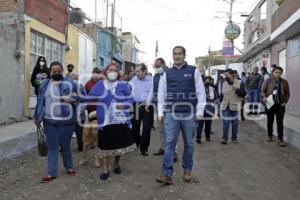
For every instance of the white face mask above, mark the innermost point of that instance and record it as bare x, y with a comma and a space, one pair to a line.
42, 63
112, 76
160, 70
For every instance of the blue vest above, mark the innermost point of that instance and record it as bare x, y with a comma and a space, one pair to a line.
155, 87
181, 89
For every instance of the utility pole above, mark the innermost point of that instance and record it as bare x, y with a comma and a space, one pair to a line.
96, 15
106, 19
156, 49
230, 21
230, 13
208, 67
113, 32
113, 14
112, 28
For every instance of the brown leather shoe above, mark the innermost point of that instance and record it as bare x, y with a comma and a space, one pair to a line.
270, 139
187, 177
159, 152
165, 180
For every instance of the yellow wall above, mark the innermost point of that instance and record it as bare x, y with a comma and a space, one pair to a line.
72, 56
44, 29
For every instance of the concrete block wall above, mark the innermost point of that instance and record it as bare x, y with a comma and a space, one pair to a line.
12, 72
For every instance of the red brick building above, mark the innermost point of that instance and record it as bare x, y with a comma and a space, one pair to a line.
53, 13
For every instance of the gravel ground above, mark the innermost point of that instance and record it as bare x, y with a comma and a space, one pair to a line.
252, 170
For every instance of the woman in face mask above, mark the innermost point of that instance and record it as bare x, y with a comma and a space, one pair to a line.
40, 73
114, 137
56, 108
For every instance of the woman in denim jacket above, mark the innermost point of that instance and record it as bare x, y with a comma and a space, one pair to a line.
56, 108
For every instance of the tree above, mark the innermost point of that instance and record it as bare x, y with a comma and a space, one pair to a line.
213, 59
279, 2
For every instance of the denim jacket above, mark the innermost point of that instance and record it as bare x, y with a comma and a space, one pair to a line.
66, 88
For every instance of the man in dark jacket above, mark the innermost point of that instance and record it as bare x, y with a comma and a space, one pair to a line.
279, 89
253, 90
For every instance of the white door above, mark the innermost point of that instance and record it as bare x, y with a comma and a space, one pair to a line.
86, 58
282, 62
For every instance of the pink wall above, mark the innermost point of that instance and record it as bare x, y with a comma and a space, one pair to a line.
275, 51
293, 72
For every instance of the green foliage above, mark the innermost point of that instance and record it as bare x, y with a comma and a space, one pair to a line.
279, 2
213, 60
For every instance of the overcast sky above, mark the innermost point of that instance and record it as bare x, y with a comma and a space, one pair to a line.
194, 24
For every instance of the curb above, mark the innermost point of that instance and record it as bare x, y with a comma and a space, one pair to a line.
18, 145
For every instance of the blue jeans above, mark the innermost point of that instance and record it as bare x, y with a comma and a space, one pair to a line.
230, 116
58, 135
254, 97
174, 122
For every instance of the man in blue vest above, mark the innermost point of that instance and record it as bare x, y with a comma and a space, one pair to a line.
181, 101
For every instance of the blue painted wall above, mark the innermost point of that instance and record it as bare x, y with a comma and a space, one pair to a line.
104, 48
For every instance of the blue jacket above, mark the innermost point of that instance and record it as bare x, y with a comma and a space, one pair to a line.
104, 98
64, 90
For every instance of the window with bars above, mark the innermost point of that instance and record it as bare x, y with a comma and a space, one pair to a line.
41, 45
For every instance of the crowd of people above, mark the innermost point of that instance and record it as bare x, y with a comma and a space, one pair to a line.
115, 111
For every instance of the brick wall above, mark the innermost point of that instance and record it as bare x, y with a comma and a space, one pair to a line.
8, 5
50, 12
284, 12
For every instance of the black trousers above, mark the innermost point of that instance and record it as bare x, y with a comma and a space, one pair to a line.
279, 111
207, 123
140, 115
78, 130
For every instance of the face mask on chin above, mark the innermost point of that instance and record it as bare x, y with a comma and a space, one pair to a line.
57, 77
112, 76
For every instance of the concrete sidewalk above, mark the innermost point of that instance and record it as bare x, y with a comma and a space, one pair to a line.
291, 128
17, 138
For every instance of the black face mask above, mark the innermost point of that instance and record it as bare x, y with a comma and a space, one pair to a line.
70, 70
57, 77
